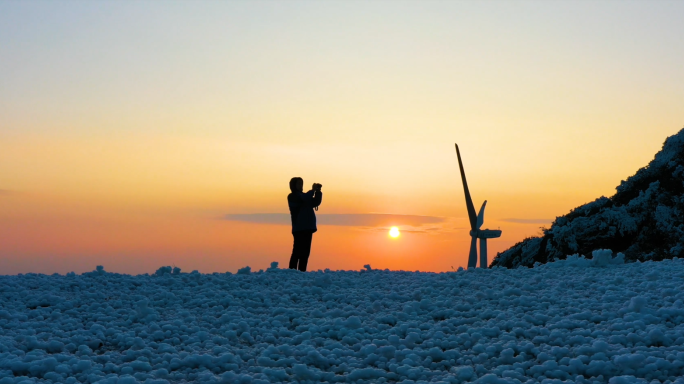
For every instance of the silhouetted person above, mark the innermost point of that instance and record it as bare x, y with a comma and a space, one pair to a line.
302, 207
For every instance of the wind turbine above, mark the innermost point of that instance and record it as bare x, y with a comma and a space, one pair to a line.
476, 222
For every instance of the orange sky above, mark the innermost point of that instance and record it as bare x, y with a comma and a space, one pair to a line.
129, 131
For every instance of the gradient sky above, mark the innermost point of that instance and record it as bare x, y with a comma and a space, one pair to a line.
141, 134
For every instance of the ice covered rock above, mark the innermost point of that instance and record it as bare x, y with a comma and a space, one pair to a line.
604, 322
643, 220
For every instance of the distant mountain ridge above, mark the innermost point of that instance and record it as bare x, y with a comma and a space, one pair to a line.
644, 219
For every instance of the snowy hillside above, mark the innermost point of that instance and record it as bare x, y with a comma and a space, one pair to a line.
644, 219
577, 321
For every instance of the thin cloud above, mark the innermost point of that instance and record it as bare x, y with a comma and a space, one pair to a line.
377, 220
261, 218
344, 219
527, 221
374, 222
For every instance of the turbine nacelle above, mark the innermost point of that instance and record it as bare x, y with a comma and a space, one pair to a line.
486, 233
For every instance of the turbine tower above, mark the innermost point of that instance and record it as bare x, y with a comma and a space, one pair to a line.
476, 221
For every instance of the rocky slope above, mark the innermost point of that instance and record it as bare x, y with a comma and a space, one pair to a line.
644, 219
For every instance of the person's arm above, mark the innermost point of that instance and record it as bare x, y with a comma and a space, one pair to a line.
317, 198
307, 197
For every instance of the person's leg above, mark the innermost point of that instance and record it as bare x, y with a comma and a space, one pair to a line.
305, 250
295, 251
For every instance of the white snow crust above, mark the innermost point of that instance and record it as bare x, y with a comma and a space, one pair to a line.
572, 321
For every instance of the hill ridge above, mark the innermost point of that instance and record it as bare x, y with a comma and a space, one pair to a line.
644, 219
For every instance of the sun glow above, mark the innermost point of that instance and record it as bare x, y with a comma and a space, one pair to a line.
394, 232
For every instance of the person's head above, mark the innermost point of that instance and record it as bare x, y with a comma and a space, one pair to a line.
296, 184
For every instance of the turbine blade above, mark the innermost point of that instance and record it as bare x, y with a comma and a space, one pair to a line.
472, 256
480, 216
469, 202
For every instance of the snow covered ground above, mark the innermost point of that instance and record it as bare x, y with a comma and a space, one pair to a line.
576, 321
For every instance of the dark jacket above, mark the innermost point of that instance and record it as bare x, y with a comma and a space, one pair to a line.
302, 210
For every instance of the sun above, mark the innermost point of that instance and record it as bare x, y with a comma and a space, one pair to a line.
394, 232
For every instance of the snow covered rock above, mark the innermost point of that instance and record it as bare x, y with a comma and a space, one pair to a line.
644, 220
571, 321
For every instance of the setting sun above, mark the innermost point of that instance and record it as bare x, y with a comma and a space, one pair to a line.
394, 232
